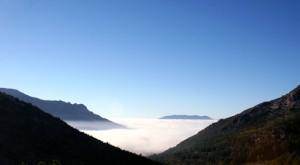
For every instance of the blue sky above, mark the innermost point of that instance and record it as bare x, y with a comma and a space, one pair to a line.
142, 58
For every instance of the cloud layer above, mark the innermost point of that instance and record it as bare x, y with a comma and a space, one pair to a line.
148, 136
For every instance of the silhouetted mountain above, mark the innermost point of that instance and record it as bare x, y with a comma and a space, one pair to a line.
268, 133
29, 136
192, 117
63, 110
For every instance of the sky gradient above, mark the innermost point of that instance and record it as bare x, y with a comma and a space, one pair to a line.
142, 58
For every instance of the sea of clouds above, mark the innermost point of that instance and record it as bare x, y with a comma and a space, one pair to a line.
146, 136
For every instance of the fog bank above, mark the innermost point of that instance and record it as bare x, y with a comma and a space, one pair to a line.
148, 136
94, 125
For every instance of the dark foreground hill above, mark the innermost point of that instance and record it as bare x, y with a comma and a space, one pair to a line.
268, 133
29, 136
188, 117
63, 110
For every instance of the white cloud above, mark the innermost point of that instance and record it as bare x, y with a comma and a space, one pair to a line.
148, 136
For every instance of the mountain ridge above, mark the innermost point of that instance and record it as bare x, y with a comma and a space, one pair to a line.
191, 117
268, 133
64, 110
31, 136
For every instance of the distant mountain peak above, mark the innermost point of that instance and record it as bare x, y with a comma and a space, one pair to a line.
58, 108
268, 132
10, 90
64, 110
191, 117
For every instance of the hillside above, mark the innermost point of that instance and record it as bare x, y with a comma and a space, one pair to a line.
268, 133
189, 117
29, 135
63, 110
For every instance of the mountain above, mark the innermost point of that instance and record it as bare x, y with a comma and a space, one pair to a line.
65, 111
31, 136
193, 117
268, 133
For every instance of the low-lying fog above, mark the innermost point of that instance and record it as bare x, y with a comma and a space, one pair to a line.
145, 136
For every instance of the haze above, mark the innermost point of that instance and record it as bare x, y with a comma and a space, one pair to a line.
145, 136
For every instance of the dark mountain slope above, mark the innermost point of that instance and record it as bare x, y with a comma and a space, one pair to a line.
29, 135
268, 133
63, 110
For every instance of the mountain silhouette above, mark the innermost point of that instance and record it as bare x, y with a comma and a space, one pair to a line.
63, 110
191, 117
31, 136
268, 133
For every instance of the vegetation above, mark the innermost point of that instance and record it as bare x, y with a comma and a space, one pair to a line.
29, 135
53, 162
268, 133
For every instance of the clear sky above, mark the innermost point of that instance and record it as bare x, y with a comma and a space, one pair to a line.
150, 58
